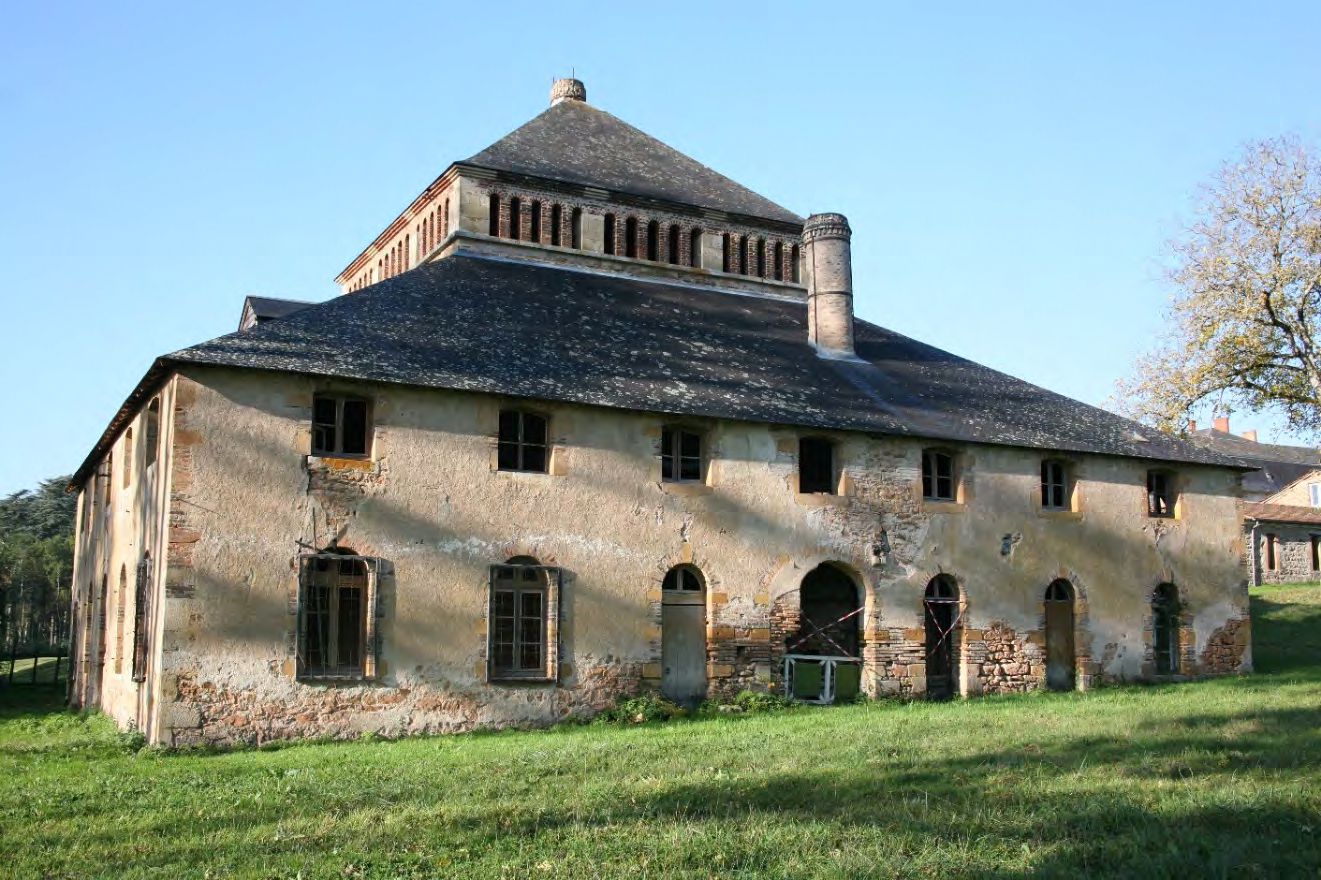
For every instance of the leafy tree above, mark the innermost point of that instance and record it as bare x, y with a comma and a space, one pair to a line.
36, 562
1242, 323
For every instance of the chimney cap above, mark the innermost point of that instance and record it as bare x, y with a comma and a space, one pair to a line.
567, 89
826, 225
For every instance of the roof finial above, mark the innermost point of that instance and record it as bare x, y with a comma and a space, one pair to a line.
571, 89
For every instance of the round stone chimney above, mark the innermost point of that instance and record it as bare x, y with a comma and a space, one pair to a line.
567, 90
828, 255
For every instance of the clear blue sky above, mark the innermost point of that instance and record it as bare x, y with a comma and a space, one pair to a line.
1010, 170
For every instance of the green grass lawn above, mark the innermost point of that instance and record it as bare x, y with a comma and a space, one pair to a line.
46, 672
1210, 779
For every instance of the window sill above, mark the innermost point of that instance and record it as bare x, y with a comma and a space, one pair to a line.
333, 679
820, 499
929, 506
684, 489
1065, 515
518, 679
340, 463
523, 475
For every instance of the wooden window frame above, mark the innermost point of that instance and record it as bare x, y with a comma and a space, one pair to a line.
519, 580
932, 477
330, 669
335, 449
673, 458
519, 444
1056, 484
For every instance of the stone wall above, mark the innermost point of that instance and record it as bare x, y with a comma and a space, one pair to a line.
430, 504
1297, 547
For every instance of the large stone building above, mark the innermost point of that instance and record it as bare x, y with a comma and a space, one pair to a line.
591, 418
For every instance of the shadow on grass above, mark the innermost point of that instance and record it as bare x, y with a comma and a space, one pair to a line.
32, 701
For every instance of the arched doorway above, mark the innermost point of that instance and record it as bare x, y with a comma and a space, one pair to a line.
941, 611
824, 655
683, 635
1165, 628
1061, 654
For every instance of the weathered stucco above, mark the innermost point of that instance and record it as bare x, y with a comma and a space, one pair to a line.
248, 500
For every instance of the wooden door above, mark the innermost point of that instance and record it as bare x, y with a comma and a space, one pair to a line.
683, 647
942, 660
1060, 654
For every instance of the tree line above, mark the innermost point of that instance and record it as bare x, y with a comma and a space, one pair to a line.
36, 568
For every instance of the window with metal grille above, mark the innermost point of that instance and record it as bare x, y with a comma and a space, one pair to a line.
816, 466
1054, 485
523, 442
681, 455
339, 426
141, 618
520, 613
937, 475
336, 615
1160, 493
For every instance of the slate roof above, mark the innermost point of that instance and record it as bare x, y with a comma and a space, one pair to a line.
1280, 513
578, 143
1277, 465
512, 328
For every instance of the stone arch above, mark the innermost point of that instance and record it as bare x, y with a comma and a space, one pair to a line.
1166, 644
942, 612
1061, 630
685, 642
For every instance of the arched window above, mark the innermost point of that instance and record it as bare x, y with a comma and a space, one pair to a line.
777, 270
1165, 628
408, 251
536, 222
1060, 653
515, 218
695, 248
445, 221
743, 245
631, 237
151, 433
793, 264
676, 238
141, 618
336, 619
576, 229
121, 600
494, 226
683, 579
610, 243
761, 258
727, 253
653, 241
941, 611
520, 646
128, 457
556, 221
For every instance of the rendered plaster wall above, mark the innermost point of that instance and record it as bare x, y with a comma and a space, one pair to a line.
431, 504
127, 523
1297, 493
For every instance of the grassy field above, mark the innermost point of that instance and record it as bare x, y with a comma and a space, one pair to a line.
1212, 779
46, 672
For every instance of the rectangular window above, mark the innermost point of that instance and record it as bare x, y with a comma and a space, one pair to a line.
141, 619
336, 599
1054, 485
937, 475
681, 455
339, 426
520, 614
523, 442
1269, 549
1314, 494
1316, 552
816, 466
151, 434
1160, 493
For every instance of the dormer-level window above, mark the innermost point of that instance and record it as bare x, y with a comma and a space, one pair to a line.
681, 455
523, 442
340, 426
1055, 485
1314, 494
1161, 494
816, 466
938, 475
